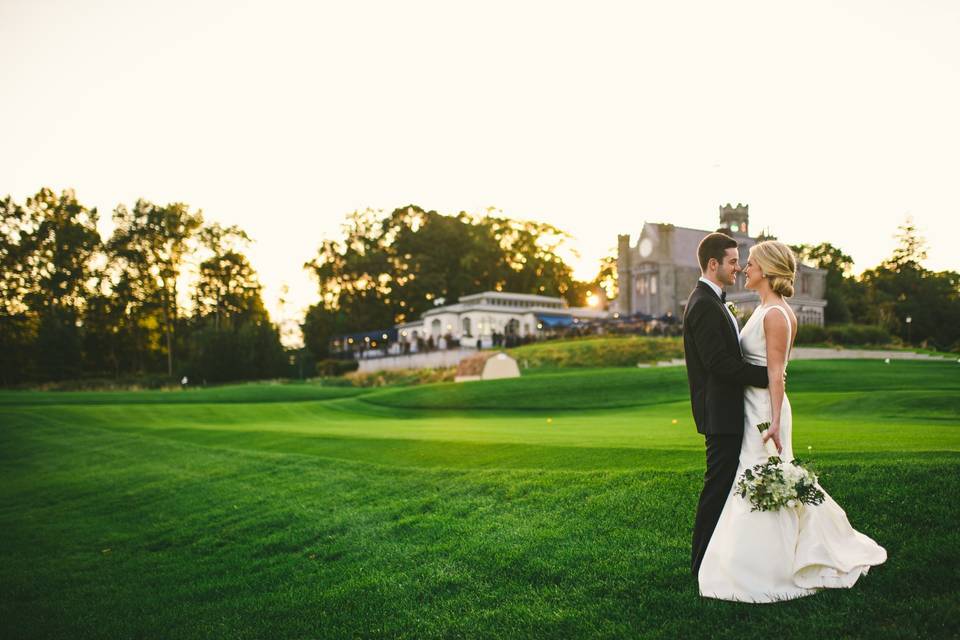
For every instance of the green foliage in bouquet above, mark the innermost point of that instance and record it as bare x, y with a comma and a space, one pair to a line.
776, 483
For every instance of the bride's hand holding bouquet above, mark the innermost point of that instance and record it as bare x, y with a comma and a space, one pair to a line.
772, 433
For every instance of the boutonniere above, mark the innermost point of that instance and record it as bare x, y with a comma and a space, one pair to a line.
733, 310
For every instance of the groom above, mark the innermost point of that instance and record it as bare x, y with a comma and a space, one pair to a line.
717, 374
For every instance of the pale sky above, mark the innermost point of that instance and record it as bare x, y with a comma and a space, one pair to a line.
832, 120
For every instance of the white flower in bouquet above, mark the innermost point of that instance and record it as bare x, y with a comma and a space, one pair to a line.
777, 483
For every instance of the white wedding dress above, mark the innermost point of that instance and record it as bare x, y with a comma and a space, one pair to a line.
768, 556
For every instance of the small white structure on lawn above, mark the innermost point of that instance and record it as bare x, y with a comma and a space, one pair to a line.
500, 366
487, 366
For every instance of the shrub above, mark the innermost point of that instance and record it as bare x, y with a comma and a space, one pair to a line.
844, 334
811, 334
401, 377
859, 334
250, 351
130, 382
331, 367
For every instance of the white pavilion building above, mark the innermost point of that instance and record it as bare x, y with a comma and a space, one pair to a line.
480, 315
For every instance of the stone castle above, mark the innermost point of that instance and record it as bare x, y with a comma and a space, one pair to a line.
657, 274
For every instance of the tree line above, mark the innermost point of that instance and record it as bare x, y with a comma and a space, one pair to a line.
77, 305
899, 288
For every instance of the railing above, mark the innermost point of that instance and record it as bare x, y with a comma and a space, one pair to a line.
653, 327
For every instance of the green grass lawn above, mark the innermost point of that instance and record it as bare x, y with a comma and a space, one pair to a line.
557, 505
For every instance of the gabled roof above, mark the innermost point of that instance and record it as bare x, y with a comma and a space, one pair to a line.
506, 295
683, 241
450, 308
475, 302
478, 306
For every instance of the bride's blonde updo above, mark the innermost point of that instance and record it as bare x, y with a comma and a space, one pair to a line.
778, 264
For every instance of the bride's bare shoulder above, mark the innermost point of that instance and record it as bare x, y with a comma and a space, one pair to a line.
776, 323
774, 320
793, 317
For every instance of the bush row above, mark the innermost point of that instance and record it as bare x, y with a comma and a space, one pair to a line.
843, 334
129, 382
401, 377
395, 377
627, 351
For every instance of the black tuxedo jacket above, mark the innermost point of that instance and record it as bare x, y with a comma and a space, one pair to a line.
715, 368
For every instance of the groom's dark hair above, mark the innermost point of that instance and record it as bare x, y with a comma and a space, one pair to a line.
715, 245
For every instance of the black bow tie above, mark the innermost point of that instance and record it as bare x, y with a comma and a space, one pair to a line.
723, 297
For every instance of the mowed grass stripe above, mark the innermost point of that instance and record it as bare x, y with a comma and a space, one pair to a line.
397, 452
820, 423
242, 393
112, 534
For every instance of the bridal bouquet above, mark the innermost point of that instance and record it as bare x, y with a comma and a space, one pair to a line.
776, 484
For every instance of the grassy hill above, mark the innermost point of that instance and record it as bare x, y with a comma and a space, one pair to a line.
605, 388
555, 505
612, 351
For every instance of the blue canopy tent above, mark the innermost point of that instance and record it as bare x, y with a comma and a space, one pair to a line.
550, 321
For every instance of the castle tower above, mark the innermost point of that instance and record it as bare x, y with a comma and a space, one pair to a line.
735, 220
624, 277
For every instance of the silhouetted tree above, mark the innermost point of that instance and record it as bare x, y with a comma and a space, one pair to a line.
46, 258
227, 288
901, 287
842, 288
152, 241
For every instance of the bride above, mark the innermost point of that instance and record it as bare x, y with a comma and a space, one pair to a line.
767, 556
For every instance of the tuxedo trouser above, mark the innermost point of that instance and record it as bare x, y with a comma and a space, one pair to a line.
723, 457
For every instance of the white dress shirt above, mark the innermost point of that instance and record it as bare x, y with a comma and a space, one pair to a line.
717, 290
